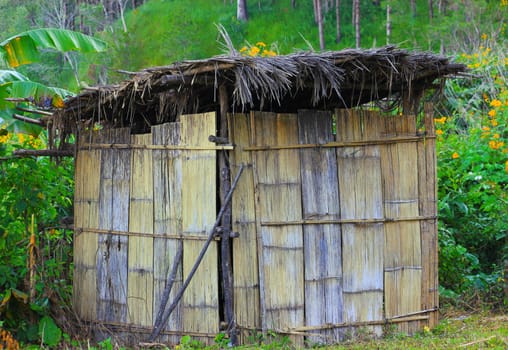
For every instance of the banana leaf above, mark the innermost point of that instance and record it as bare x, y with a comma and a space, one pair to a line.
31, 95
7, 76
24, 47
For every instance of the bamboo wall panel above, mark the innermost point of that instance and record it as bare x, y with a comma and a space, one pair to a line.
279, 198
428, 207
402, 253
317, 242
86, 205
322, 243
140, 265
245, 261
359, 174
167, 192
113, 215
200, 301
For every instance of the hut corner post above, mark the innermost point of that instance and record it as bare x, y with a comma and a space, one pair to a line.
226, 223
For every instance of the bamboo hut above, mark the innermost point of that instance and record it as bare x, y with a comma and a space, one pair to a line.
310, 178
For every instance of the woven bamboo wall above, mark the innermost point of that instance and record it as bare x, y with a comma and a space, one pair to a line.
138, 198
337, 220
336, 215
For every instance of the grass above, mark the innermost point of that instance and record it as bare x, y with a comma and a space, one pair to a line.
456, 331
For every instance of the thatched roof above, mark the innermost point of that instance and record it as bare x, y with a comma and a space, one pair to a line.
286, 83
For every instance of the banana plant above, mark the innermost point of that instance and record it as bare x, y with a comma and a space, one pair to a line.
18, 91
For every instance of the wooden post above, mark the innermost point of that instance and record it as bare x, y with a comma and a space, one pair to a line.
225, 187
211, 235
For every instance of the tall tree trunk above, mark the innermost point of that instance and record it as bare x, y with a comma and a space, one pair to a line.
315, 6
357, 22
121, 8
388, 24
293, 3
442, 7
413, 8
241, 10
337, 20
431, 10
353, 13
319, 14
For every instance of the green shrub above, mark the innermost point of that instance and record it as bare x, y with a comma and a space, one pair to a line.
472, 146
35, 194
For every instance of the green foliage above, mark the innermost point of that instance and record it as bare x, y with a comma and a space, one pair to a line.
472, 147
25, 47
49, 333
187, 343
38, 188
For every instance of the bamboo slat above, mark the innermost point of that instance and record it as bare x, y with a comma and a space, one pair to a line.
427, 189
211, 147
200, 301
359, 173
86, 205
332, 144
402, 251
322, 243
113, 214
167, 192
279, 191
140, 264
245, 261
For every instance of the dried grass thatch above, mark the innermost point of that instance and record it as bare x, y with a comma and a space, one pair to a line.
286, 83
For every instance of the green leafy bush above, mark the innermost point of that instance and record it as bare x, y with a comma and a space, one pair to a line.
35, 251
472, 146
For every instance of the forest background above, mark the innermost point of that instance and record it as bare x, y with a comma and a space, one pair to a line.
471, 121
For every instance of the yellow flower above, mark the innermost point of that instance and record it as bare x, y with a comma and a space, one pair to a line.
484, 36
492, 113
254, 50
268, 53
455, 155
261, 44
485, 128
485, 98
243, 49
495, 103
439, 132
494, 122
496, 144
496, 136
21, 138
440, 120
506, 166
4, 136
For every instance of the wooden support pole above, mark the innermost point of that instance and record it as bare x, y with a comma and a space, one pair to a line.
211, 235
43, 153
35, 111
225, 187
158, 325
29, 120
